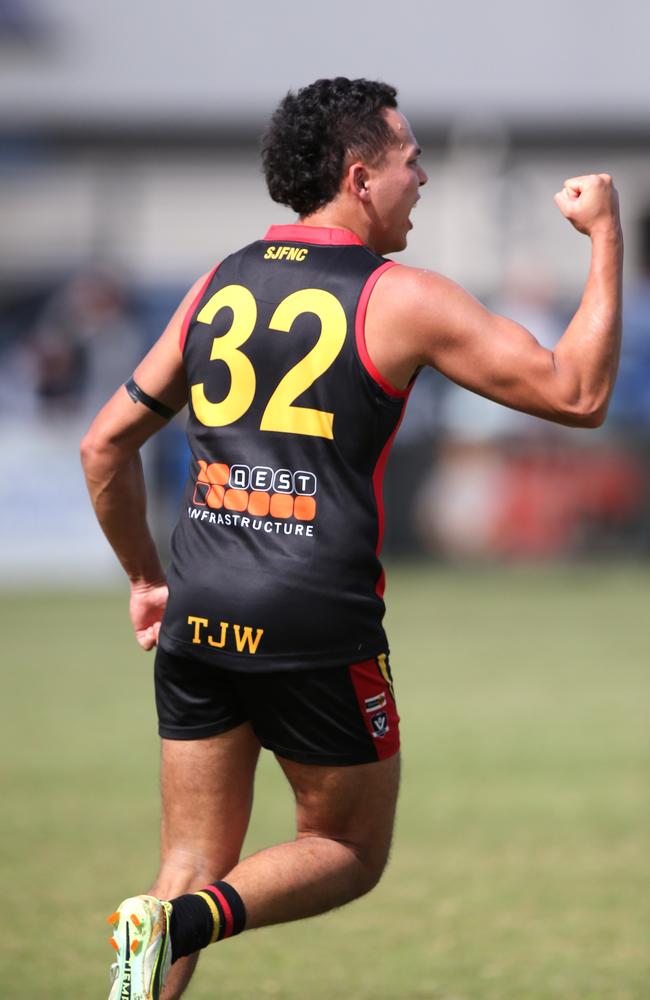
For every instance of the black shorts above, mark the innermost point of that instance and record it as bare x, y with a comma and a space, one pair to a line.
327, 715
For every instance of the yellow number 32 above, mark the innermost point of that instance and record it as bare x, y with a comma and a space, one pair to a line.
280, 414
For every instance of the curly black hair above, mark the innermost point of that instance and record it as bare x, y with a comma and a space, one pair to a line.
315, 132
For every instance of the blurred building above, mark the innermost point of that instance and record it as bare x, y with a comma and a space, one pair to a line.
128, 141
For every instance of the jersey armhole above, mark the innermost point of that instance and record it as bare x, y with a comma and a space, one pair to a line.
187, 319
360, 334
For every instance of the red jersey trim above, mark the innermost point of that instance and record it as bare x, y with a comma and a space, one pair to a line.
378, 488
190, 312
314, 234
360, 334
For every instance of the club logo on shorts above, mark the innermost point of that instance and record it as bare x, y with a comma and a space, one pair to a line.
379, 724
376, 702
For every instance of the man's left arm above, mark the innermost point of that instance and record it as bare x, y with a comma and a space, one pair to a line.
422, 318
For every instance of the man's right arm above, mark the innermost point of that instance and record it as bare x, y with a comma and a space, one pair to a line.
443, 326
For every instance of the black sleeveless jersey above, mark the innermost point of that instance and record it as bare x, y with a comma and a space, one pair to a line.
275, 555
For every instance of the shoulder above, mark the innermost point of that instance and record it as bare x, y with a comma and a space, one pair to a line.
415, 315
411, 288
167, 352
196, 291
399, 317
414, 302
176, 330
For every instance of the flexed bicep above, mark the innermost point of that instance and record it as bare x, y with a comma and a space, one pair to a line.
489, 354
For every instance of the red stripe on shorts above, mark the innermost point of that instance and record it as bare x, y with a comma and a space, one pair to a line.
377, 707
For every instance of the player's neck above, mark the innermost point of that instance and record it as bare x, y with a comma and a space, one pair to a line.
335, 216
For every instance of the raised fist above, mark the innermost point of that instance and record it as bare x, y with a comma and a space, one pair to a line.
589, 203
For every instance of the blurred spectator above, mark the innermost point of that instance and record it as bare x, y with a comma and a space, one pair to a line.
85, 345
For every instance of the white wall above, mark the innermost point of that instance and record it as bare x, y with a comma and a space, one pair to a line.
201, 58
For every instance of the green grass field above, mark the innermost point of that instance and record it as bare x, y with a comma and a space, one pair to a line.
521, 864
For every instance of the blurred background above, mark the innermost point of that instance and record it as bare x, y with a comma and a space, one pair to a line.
129, 166
518, 550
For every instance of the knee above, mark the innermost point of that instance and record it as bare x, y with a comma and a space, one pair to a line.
367, 874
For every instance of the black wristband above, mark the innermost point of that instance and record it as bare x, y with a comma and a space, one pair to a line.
138, 395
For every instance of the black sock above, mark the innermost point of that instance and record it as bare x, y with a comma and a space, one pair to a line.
199, 918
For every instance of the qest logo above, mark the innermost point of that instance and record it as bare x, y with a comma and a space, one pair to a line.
259, 491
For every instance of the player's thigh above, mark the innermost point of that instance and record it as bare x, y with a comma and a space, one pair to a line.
207, 785
335, 732
354, 805
209, 754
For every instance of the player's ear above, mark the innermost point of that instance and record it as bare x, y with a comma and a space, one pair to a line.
357, 181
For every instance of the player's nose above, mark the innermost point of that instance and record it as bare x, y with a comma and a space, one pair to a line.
423, 176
